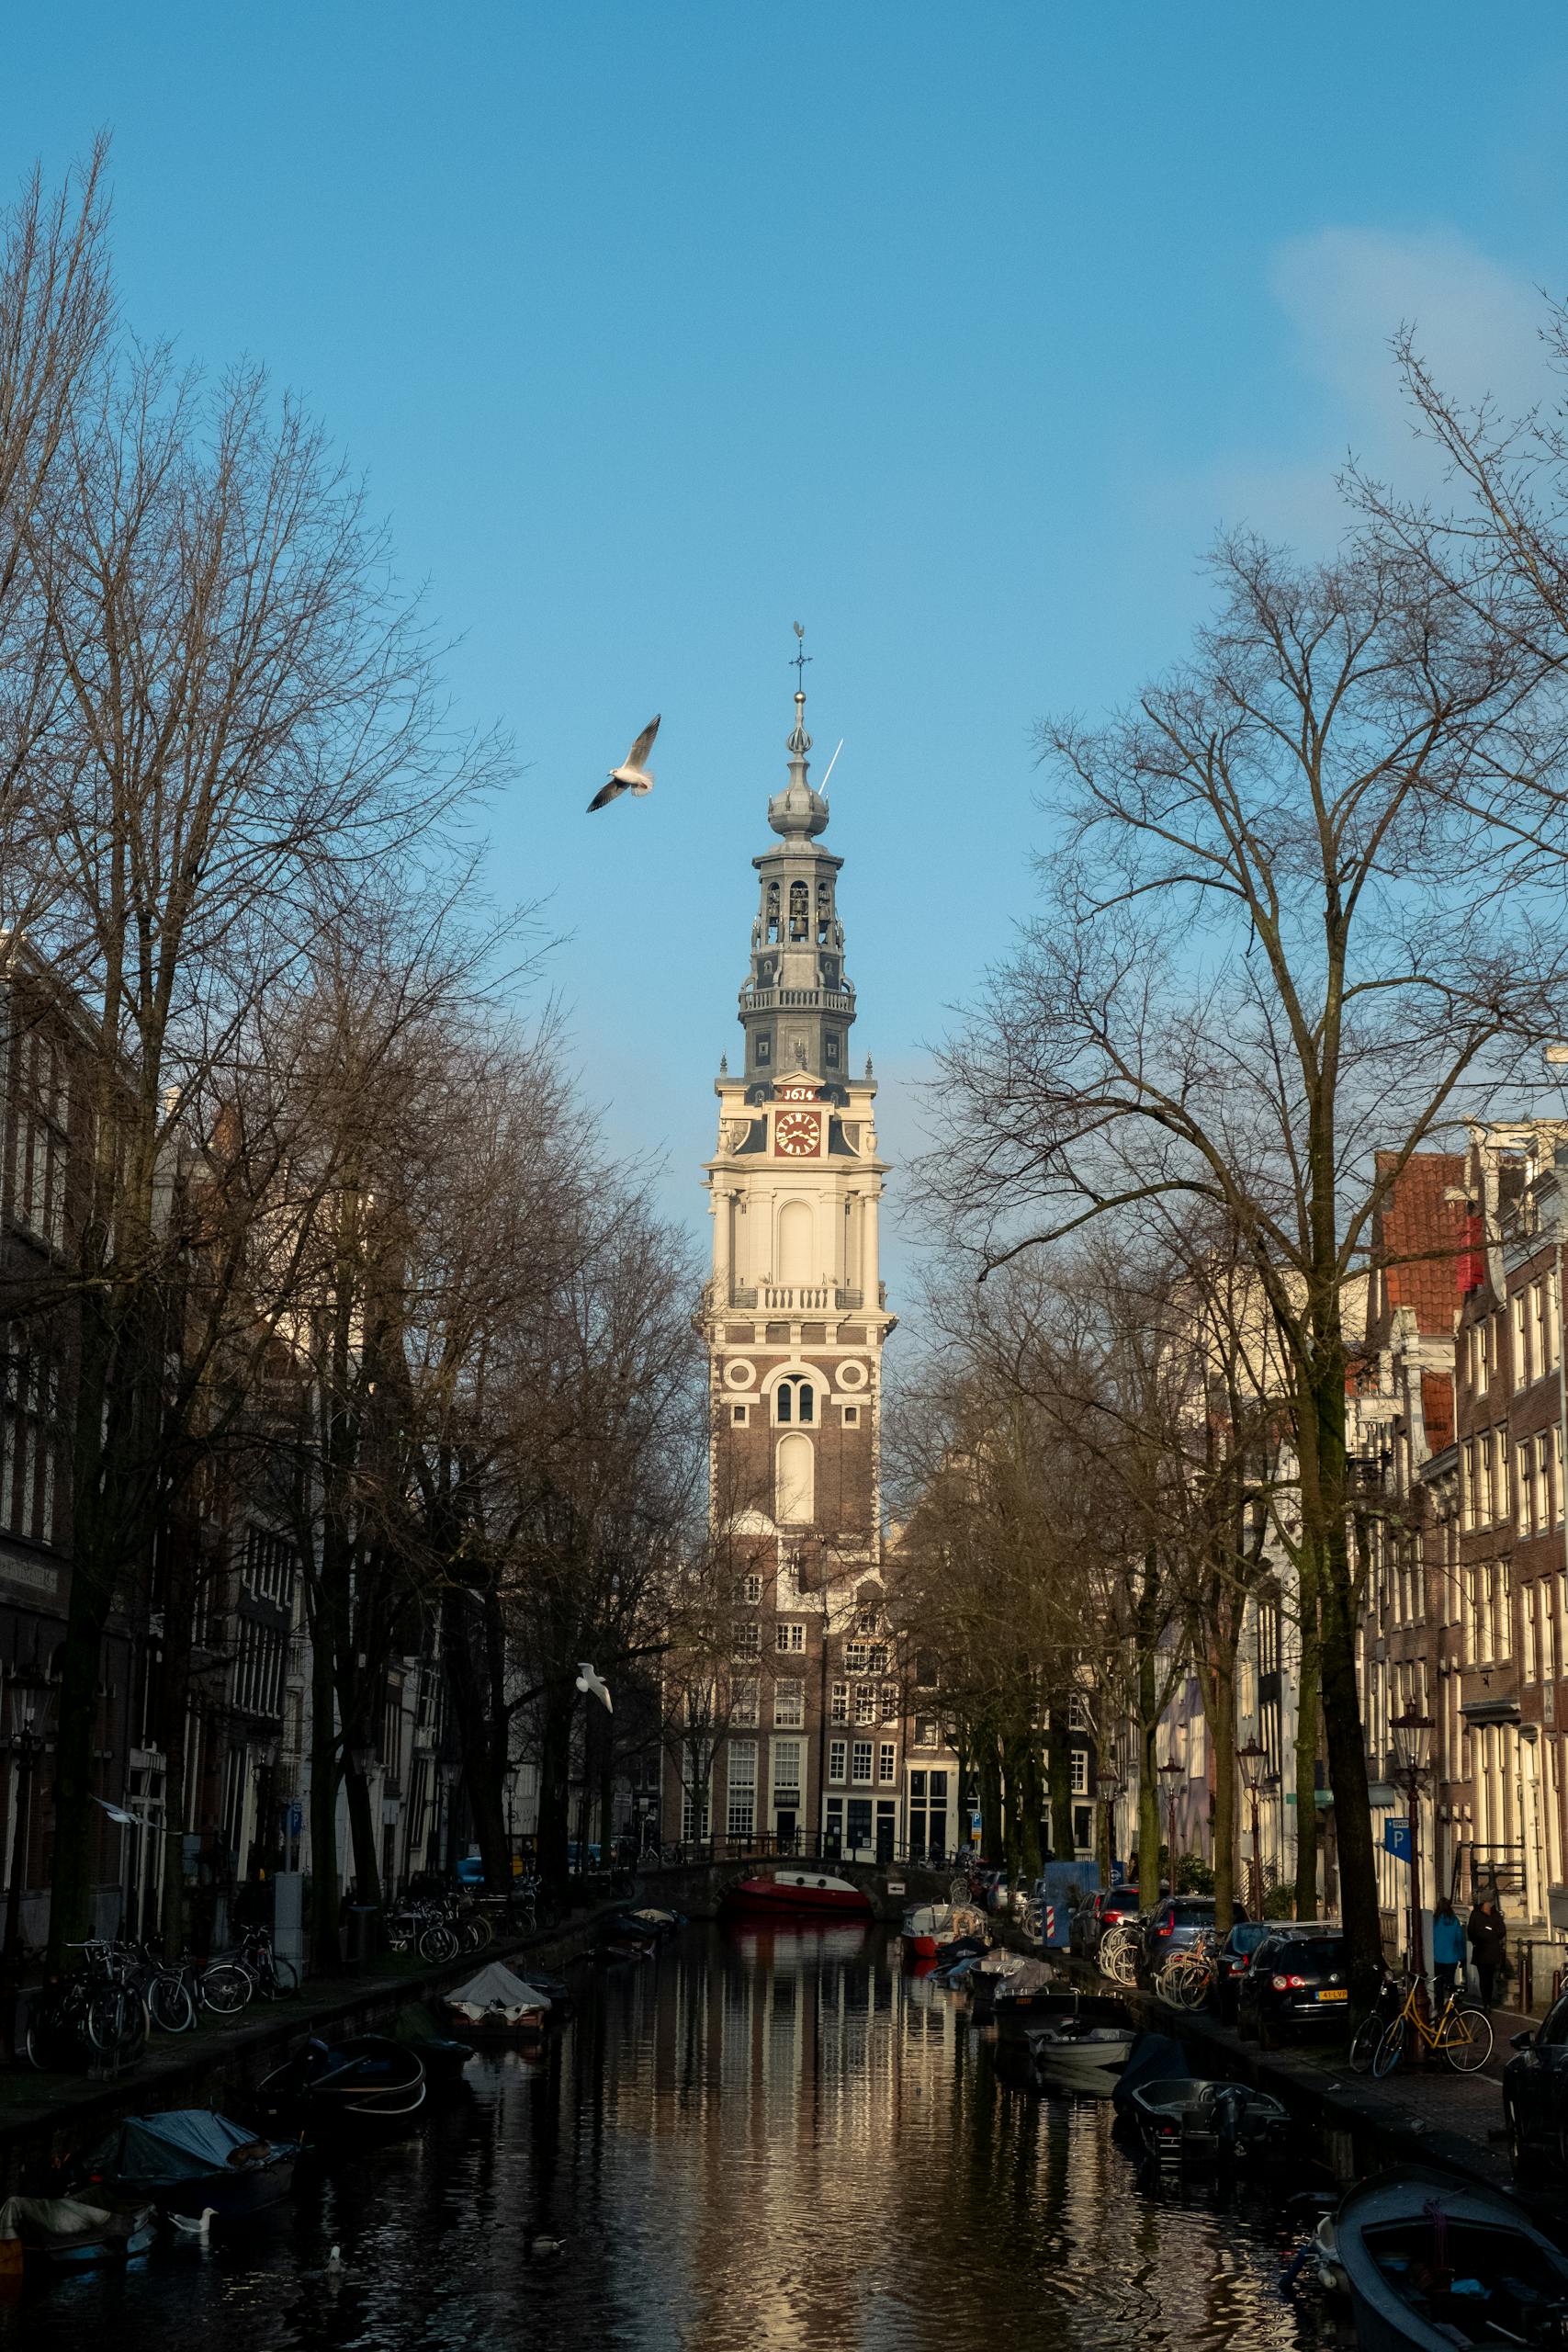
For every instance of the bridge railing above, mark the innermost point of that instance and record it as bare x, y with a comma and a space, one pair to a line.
823, 1848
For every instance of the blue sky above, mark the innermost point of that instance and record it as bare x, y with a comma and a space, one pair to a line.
953, 333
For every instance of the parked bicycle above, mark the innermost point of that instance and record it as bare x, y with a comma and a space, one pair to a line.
94, 2016
1188, 1976
1120, 1948
271, 1978
1462, 2032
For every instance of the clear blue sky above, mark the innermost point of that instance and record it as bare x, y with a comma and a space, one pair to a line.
952, 332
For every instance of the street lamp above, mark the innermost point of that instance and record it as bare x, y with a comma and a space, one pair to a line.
1170, 1773
24, 1745
1412, 1748
1108, 1788
1252, 1759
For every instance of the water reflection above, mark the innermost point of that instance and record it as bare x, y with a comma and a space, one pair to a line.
765, 2138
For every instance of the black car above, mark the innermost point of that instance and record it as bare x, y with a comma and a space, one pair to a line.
1299, 1979
1106, 1909
1235, 1960
1535, 2093
1176, 1925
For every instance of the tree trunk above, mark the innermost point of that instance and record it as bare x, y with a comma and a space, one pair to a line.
75, 1742
1148, 1781
326, 1948
555, 1785
1222, 1729
362, 1828
1059, 1770
1306, 1741
988, 1767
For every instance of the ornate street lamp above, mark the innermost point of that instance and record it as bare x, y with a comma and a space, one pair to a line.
1412, 1748
1170, 1773
24, 1743
1252, 1759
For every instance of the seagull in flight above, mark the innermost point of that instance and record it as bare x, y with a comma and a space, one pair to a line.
588, 1679
631, 775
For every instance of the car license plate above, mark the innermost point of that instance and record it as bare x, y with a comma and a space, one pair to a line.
1342, 1994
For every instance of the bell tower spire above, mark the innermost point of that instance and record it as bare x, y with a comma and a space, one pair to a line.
796, 1004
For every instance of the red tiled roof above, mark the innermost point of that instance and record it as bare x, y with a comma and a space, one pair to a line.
1418, 1237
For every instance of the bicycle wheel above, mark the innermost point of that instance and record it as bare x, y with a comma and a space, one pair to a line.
1364, 2044
1194, 1987
116, 2022
470, 1937
958, 1890
1389, 2049
1469, 2056
225, 1987
438, 1942
284, 1979
484, 1929
170, 2006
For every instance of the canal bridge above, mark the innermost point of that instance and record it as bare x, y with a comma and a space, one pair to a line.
697, 1883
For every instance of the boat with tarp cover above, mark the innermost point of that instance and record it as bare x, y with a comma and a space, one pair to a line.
1431, 2264
190, 2159
495, 2004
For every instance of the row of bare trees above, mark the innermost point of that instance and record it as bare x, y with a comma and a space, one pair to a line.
339, 1236
1304, 906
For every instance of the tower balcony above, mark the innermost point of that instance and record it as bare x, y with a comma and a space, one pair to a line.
795, 1298
798, 999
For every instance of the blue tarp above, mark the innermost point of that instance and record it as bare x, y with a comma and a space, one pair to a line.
175, 2146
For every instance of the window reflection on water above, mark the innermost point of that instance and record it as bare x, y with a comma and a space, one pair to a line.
768, 2137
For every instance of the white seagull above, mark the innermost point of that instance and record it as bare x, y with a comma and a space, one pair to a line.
588, 1679
631, 775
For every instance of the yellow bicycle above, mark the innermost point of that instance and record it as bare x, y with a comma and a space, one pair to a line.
1462, 2034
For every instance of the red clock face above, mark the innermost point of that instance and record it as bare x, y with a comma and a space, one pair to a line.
798, 1135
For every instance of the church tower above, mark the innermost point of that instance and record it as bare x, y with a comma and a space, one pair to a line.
794, 1318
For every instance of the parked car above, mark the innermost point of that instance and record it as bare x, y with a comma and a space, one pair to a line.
1176, 1924
1235, 1958
1299, 1981
1106, 1909
1535, 2093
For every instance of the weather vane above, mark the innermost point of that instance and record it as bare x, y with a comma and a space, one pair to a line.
801, 658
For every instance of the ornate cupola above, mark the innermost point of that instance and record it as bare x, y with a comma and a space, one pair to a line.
796, 1005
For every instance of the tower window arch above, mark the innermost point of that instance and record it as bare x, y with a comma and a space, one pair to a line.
795, 1400
824, 912
794, 1480
773, 912
799, 910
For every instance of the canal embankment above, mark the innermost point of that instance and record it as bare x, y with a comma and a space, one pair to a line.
48, 2120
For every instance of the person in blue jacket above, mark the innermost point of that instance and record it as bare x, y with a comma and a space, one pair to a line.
1447, 1947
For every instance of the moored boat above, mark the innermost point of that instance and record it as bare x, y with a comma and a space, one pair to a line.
1074, 2055
800, 1892
62, 2233
1432, 2263
364, 2083
933, 1928
496, 2003
1184, 2120
189, 2161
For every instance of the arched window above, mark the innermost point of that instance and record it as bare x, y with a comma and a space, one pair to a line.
773, 912
795, 1400
824, 913
794, 1480
799, 910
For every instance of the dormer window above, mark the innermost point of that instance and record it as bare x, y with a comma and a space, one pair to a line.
795, 1400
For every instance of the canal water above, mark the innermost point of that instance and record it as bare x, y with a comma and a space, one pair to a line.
766, 2137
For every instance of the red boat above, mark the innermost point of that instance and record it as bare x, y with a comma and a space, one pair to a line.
798, 1891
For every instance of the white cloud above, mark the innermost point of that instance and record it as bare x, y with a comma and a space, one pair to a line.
1476, 322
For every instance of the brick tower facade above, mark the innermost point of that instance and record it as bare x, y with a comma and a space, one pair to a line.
811, 1735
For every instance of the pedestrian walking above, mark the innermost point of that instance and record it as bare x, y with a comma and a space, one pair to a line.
1488, 1934
1447, 1949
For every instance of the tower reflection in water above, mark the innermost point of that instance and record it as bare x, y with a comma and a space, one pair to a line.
766, 2137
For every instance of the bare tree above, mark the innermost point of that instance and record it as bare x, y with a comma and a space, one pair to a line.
1269, 952
249, 743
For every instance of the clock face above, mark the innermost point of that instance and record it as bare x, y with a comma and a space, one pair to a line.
798, 1135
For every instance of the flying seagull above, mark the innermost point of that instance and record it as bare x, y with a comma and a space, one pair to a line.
631, 775
588, 1679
